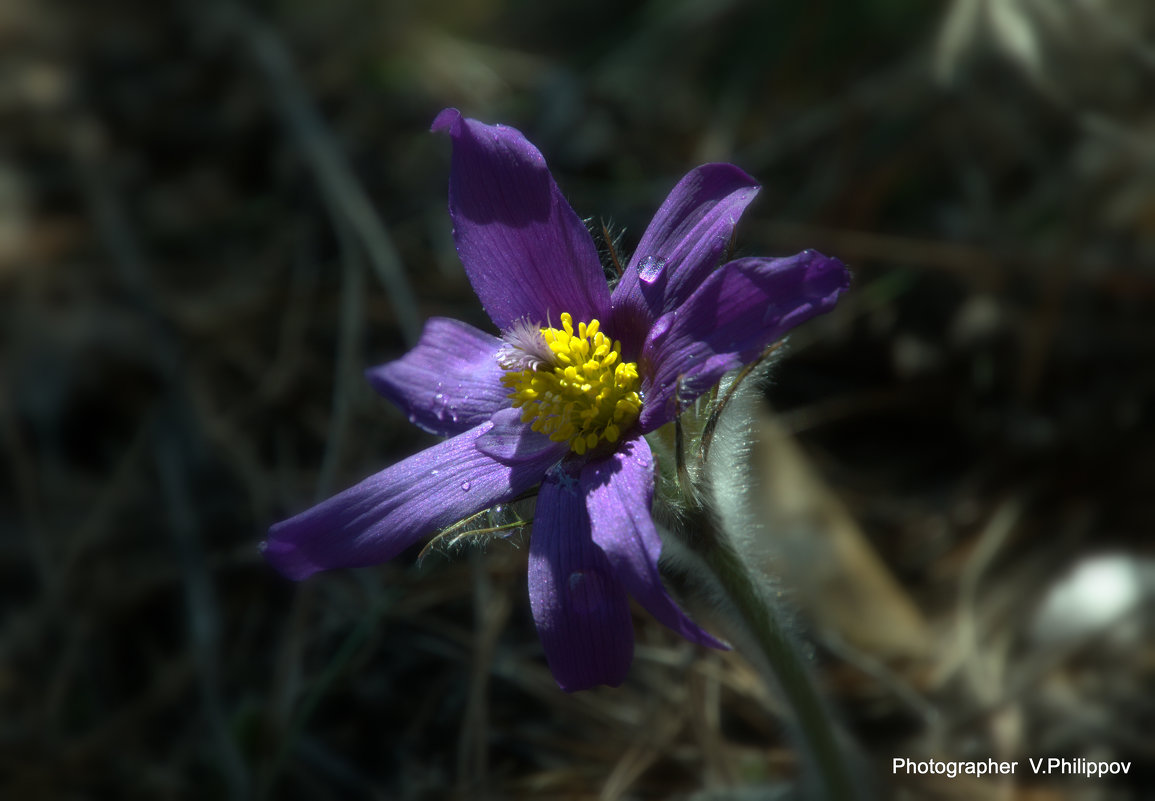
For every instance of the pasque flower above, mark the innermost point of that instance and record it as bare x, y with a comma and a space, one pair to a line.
562, 398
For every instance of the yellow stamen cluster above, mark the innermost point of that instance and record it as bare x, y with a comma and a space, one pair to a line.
589, 395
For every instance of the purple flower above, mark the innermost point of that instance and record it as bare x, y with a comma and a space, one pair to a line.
563, 397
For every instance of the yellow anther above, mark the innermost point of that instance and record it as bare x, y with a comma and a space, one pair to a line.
588, 396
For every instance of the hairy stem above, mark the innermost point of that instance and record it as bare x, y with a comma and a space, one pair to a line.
763, 639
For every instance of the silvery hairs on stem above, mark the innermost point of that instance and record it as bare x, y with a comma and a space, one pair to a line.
715, 544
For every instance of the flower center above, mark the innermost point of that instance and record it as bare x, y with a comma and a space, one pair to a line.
587, 394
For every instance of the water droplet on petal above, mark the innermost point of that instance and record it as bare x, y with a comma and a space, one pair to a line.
439, 405
588, 591
651, 268
434, 472
465, 485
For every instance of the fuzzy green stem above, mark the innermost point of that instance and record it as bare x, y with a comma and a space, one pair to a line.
815, 728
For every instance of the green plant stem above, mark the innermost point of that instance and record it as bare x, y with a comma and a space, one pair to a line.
815, 728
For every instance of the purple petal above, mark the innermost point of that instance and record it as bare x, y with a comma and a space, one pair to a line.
581, 611
511, 441
450, 382
731, 318
386, 513
682, 245
524, 249
619, 490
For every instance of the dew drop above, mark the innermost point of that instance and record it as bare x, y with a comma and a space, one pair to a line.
650, 269
588, 591
434, 472
439, 405
465, 485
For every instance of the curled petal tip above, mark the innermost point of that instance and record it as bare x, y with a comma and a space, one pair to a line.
720, 171
826, 276
286, 558
445, 120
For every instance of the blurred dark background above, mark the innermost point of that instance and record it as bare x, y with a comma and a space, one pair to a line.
214, 215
